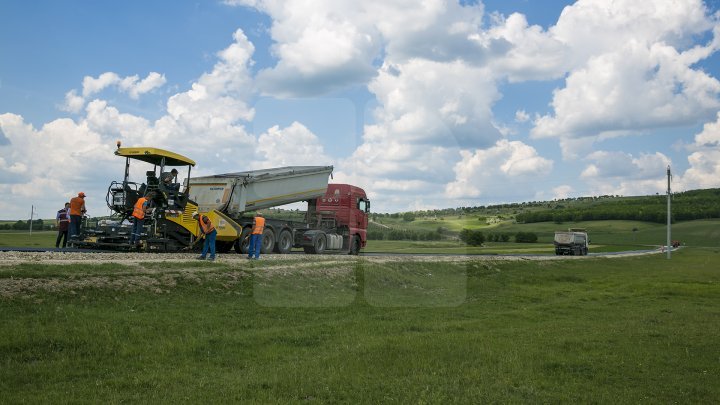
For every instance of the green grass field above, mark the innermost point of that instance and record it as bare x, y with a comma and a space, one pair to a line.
595, 330
25, 239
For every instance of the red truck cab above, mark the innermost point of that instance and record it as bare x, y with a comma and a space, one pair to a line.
348, 206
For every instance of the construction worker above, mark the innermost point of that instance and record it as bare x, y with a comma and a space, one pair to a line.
62, 221
208, 230
77, 210
140, 210
170, 180
256, 236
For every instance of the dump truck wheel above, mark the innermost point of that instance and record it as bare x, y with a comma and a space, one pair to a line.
319, 243
284, 242
242, 244
268, 242
355, 245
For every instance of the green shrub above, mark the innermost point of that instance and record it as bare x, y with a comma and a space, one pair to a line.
526, 237
471, 237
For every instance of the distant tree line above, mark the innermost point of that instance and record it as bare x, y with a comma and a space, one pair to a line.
492, 209
477, 238
19, 225
689, 205
499, 237
403, 234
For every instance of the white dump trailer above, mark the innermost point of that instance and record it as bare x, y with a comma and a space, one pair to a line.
236, 193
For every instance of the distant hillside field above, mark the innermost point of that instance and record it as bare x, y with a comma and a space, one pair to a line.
631, 234
615, 220
690, 205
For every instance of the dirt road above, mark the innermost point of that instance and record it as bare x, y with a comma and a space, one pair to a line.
11, 258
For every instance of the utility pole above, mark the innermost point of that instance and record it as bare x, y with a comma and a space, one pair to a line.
32, 214
669, 247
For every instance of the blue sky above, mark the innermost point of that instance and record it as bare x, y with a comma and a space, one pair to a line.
424, 104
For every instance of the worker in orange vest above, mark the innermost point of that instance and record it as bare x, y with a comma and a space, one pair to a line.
256, 236
77, 210
210, 233
140, 210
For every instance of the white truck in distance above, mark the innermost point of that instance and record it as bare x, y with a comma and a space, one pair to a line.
572, 242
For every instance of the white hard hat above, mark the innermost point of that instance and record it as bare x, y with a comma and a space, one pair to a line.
195, 214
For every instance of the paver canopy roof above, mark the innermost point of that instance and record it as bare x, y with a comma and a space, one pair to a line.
155, 156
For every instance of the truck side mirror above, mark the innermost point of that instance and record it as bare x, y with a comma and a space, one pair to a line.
363, 205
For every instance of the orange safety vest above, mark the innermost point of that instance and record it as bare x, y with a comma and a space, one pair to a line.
258, 226
138, 211
77, 204
206, 228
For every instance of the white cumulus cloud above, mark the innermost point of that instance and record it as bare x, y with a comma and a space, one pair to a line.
562, 192
621, 173
487, 171
291, 146
434, 103
631, 69
704, 170
94, 85
132, 85
136, 87
73, 102
521, 116
49, 165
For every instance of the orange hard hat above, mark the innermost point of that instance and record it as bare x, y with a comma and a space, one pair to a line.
81, 194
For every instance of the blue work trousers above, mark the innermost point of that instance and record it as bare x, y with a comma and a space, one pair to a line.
209, 244
75, 226
137, 230
255, 245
